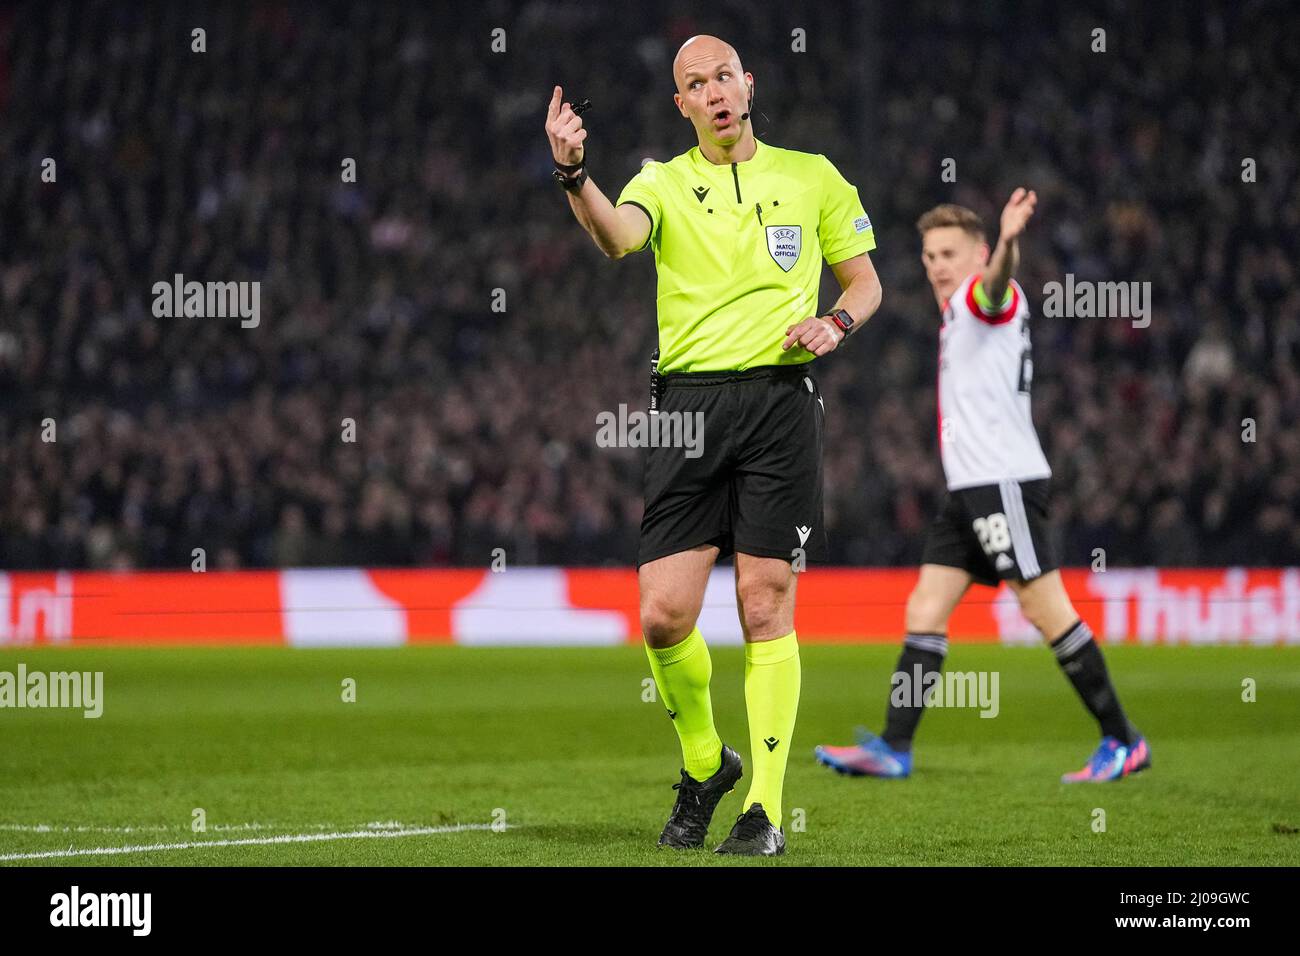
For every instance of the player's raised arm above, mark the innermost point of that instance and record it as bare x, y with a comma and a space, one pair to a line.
1005, 258
616, 230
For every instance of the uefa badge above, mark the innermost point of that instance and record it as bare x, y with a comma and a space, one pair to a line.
783, 243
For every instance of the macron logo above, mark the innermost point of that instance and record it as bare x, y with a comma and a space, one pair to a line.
803, 534
102, 909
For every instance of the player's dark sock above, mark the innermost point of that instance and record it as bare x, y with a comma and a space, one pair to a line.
924, 651
1080, 658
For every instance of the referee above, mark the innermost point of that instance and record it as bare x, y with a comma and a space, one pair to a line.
739, 230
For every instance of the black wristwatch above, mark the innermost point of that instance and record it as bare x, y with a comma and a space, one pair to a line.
571, 183
843, 321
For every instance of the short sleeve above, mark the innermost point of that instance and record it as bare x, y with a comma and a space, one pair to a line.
642, 191
844, 229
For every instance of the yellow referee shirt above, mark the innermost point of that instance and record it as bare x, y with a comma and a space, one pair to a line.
739, 250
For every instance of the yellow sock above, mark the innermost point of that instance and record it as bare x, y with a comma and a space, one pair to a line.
682, 673
772, 677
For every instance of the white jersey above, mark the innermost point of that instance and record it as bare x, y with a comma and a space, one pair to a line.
986, 430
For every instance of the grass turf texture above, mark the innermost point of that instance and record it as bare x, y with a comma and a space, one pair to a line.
561, 740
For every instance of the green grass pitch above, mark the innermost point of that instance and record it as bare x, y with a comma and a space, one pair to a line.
560, 743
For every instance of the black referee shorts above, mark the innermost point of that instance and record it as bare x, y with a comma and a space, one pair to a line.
756, 487
994, 532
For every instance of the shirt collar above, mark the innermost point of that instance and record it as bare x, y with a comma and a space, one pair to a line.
757, 161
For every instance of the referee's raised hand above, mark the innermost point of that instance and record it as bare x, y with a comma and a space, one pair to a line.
564, 128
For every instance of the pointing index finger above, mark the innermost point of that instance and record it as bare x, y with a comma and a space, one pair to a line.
554, 109
792, 335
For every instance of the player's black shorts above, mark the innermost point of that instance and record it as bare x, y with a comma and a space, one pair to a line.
994, 532
756, 485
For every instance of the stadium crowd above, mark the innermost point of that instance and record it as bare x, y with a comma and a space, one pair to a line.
437, 338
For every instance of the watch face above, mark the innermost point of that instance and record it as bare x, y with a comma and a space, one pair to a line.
842, 319
571, 182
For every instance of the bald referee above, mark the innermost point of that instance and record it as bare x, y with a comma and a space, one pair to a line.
739, 230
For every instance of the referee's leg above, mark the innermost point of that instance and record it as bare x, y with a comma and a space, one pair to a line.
765, 590
672, 594
765, 597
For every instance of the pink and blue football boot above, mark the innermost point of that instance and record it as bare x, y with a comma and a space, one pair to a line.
1112, 760
870, 757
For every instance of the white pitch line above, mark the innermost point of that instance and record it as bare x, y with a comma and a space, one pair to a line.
51, 828
249, 841
214, 828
